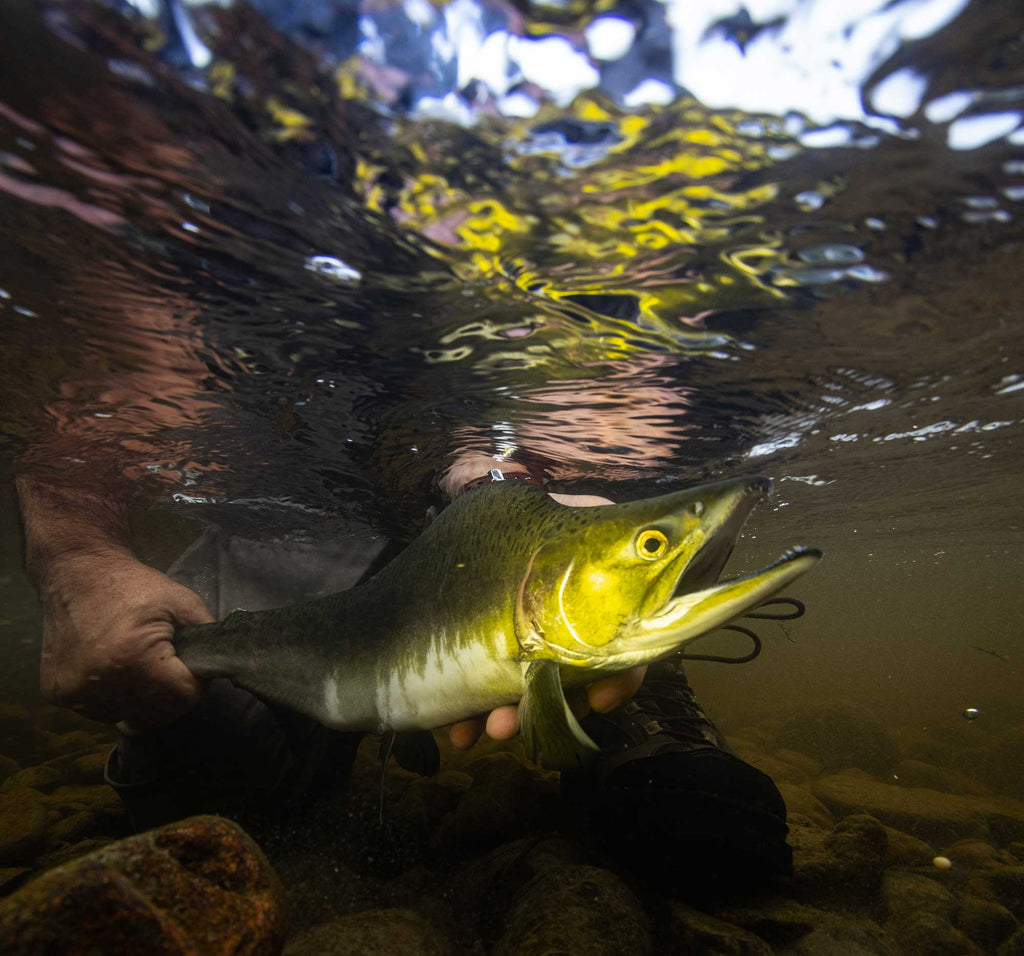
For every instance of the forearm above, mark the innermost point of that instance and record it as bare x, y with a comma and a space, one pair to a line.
61, 521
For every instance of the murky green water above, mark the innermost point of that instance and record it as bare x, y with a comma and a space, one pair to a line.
274, 307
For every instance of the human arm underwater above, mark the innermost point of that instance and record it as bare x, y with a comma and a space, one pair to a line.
108, 619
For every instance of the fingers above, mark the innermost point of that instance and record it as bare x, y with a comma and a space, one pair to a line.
500, 724
503, 722
607, 694
466, 732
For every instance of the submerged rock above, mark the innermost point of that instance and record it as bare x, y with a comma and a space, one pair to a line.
906, 893
804, 803
842, 937
575, 909
926, 934
8, 767
394, 932
857, 847
939, 818
506, 799
841, 736
985, 922
903, 849
201, 886
689, 930
22, 826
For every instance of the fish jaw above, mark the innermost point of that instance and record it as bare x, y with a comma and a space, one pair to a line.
693, 613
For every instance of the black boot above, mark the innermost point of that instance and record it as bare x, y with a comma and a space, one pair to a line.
669, 798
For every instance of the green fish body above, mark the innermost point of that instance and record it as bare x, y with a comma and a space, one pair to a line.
506, 597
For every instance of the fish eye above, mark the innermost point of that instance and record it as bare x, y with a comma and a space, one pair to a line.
651, 543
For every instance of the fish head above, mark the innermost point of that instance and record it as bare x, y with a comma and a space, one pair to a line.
625, 584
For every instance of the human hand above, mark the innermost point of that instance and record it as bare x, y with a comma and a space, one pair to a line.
108, 622
603, 695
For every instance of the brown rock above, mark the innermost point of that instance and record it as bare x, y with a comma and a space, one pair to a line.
41, 777
779, 770
778, 920
904, 893
808, 765
22, 825
201, 886
926, 934
905, 850
939, 818
841, 736
917, 773
505, 800
858, 846
389, 932
688, 931
8, 767
985, 922
575, 909
1014, 946
89, 768
844, 937
977, 855
803, 802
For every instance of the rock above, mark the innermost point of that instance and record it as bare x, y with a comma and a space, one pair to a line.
925, 934
841, 736
777, 920
200, 886
59, 745
808, 765
1007, 886
1014, 946
101, 799
976, 855
803, 802
8, 767
985, 922
858, 846
575, 909
840, 937
485, 887
89, 768
812, 865
907, 893
41, 777
22, 826
778, 770
390, 932
73, 828
939, 818
688, 930
505, 800
905, 850
11, 877
754, 738
917, 773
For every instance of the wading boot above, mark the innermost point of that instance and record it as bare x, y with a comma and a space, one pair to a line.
670, 800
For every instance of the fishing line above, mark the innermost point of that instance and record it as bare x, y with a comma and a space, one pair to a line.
386, 744
798, 611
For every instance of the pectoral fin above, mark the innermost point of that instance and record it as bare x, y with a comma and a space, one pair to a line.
552, 735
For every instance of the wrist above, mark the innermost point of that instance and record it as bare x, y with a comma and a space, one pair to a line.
472, 470
63, 523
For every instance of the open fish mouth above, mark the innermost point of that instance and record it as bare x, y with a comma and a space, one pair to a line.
700, 602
